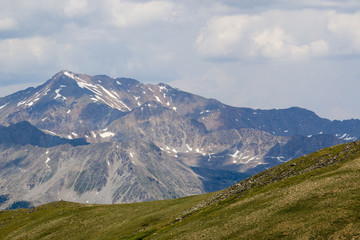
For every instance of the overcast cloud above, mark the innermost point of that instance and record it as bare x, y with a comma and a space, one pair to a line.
249, 53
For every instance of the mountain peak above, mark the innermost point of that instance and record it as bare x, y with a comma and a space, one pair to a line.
81, 79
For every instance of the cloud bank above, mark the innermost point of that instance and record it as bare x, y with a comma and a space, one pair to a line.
271, 54
280, 36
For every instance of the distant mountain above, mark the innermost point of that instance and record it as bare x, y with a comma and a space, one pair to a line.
73, 105
145, 141
23, 133
313, 197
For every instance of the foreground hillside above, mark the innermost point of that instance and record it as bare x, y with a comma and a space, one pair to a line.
313, 197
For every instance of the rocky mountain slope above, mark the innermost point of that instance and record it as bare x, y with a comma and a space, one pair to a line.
23, 133
313, 197
146, 141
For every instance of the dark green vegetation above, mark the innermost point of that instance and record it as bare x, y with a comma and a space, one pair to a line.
313, 197
3, 198
21, 204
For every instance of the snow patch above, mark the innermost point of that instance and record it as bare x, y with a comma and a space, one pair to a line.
93, 134
141, 131
94, 100
125, 105
29, 104
107, 92
200, 151
21, 103
107, 134
279, 158
235, 154
46, 91
158, 99
117, 95
49, 132
58, 95
47, 161
347, 137
3, 106
111, 98
190, 149
163, 88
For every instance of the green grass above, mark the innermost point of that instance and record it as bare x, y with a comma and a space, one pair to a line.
312, 197
65, 220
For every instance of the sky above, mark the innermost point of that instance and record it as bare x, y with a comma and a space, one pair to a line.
267, 54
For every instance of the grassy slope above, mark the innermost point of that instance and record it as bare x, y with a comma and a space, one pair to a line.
316, 196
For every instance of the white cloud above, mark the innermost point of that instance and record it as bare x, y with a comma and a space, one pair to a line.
75, 8
280, 35
264, 51
223, 34
15, 50
346, 28
351, 4
128, 14
276, 44
24, 54
7, 23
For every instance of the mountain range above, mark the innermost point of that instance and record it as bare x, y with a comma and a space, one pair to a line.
96, 139
312, 197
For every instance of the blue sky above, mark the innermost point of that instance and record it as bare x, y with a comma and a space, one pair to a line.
260, 54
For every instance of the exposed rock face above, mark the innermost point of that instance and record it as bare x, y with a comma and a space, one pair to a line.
98, 173
143, 142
